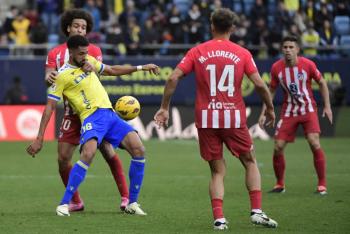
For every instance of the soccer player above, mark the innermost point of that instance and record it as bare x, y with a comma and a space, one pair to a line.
90, 100
295, 74
79, 22
219, 67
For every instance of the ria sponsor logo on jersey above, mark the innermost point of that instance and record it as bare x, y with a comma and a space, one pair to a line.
215, 105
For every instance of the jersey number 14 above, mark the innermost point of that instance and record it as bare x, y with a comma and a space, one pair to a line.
222, 85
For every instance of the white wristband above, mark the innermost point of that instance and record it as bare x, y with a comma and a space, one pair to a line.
139, 67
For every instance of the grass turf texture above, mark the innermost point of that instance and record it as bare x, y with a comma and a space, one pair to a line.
175, 192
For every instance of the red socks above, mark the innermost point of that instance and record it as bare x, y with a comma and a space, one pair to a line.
116, 166
255, 199
279, 166
216, 205
65, 177
320, 166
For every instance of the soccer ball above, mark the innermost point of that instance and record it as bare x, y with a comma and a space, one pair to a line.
127, 107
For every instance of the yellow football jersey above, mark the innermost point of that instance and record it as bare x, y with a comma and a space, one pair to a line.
83, 91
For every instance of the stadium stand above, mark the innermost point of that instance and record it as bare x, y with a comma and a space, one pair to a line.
262, 22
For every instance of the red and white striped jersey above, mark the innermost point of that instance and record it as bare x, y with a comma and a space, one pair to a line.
296, 84
59, 55
219, 67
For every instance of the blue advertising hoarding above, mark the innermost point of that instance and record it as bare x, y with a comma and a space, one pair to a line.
149, 88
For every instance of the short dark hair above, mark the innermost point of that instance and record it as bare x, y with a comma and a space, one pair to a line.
69, 15
77, 40
223, 19
290, 38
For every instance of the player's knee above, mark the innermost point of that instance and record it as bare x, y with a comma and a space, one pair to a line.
247, 159
138, 151
64, 158
278, 149
315, 145
314, 142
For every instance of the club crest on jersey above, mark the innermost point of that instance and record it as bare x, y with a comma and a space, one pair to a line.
300, 76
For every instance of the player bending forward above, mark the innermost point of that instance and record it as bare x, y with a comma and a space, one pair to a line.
79, 22
219, 66
90, 100
295, 74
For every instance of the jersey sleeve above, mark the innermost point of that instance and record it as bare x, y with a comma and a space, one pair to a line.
55, 91
314, 72
274, 78
98, 65
187, 63
249, 65
96, 53
50, 60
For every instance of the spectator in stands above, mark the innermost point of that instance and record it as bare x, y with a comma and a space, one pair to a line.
292, 7
102, 7
342, 7
282, 18
194, 23
21, 27
258, 36
16, 94
175, 24
129, 12
328, 38
183, 6
310, 40
133, 37
258, 11
240, 34
39, 35
322, 15
299, 19
158, 18
274, 41
48, 10
90, 7
10, 16
310, 10
215, 5
293, 30
150, 35
115, 37
32, 15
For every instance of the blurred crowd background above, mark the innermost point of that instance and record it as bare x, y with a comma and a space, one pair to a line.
161, 27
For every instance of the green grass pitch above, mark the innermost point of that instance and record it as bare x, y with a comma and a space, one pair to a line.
175, 192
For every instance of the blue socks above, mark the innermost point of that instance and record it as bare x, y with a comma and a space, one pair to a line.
76, 176
136, 172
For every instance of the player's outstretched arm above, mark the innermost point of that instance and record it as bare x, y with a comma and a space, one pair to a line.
268, 110
161, 118
327, 111
117, 70
37, 144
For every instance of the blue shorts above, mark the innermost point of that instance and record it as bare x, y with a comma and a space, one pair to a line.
104, 124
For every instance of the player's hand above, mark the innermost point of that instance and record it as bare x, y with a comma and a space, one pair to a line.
261, 121
51, 77
35, 147
161, 118
270, 117
88, 67
152, 68
327, 111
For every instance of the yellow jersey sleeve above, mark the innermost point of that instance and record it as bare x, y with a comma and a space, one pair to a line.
55, 91
99, 67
